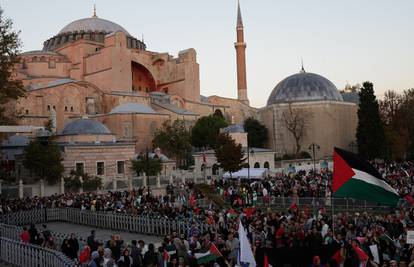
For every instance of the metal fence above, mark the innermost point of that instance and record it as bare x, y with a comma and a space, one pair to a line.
20, 254
338, 204
149, 225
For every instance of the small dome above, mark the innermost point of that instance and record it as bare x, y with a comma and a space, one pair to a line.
128, 108
16, 140
84, 126
93, 24
302, 87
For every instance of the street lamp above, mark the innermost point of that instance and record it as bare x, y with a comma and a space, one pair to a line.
313, 147
248, 160
147, 169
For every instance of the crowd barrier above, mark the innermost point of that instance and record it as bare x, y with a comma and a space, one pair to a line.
17, 253
149, 225
284, 203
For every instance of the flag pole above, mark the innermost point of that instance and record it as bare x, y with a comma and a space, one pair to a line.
332, 210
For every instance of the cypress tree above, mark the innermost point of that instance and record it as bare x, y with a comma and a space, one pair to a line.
370, 132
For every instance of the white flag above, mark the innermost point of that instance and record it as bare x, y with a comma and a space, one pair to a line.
246, 253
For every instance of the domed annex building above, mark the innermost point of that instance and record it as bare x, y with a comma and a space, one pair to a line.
305, 109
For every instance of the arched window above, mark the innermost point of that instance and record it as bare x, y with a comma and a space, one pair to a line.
203, 166
215, 169
257, 165
266, 165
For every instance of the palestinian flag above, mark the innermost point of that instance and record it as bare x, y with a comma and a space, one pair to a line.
362, 256
208, 256
353, 177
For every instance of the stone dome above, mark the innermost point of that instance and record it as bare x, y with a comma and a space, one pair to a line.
304, 87
84, 126
93, 24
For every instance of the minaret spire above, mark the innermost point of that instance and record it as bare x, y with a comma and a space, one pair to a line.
239, 16
94, 11
302, 70
240, 46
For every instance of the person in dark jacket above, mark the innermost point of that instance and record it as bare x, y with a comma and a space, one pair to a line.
91, 241
34, 235
136, 254
150, 257
73, 247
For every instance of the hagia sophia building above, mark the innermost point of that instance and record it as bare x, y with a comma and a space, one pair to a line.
106, 91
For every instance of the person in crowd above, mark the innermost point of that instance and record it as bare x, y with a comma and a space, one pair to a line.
85, 256
108, 261
94, 260
92, 242
73, 246
125, 260
25, 235
34, 235
150, 257
45, 232
136, 254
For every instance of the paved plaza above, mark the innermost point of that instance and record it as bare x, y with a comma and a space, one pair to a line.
102, 234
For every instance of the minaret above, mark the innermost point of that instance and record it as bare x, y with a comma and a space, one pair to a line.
94, 12
240, 46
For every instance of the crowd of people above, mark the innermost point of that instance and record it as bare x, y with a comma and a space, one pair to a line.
382, 238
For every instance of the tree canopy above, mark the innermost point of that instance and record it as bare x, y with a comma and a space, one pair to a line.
397, 114
296, 122
174, 139
11, 89
205, 131
256, 132
78, 179
44, 160
145, 164
370, 132
229, 155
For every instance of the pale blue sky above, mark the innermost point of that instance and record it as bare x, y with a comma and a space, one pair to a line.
353, 40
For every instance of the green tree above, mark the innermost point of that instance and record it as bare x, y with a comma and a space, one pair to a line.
78, 179
256, 132
229, 155
174, 139
145, 164
205, 131
49, 125
44, 160
404, 123
394, 119
11, 89
370, 131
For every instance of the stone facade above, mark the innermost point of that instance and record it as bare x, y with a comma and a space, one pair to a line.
94, 65
115, 159
328, 124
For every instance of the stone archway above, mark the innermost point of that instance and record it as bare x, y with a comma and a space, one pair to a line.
142, 79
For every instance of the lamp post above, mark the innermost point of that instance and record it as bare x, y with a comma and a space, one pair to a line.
248, 160
147, 169
313, 147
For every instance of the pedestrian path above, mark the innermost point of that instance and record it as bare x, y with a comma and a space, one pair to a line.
101, 234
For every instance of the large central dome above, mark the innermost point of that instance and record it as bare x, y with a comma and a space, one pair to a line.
93, 24
302, 87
